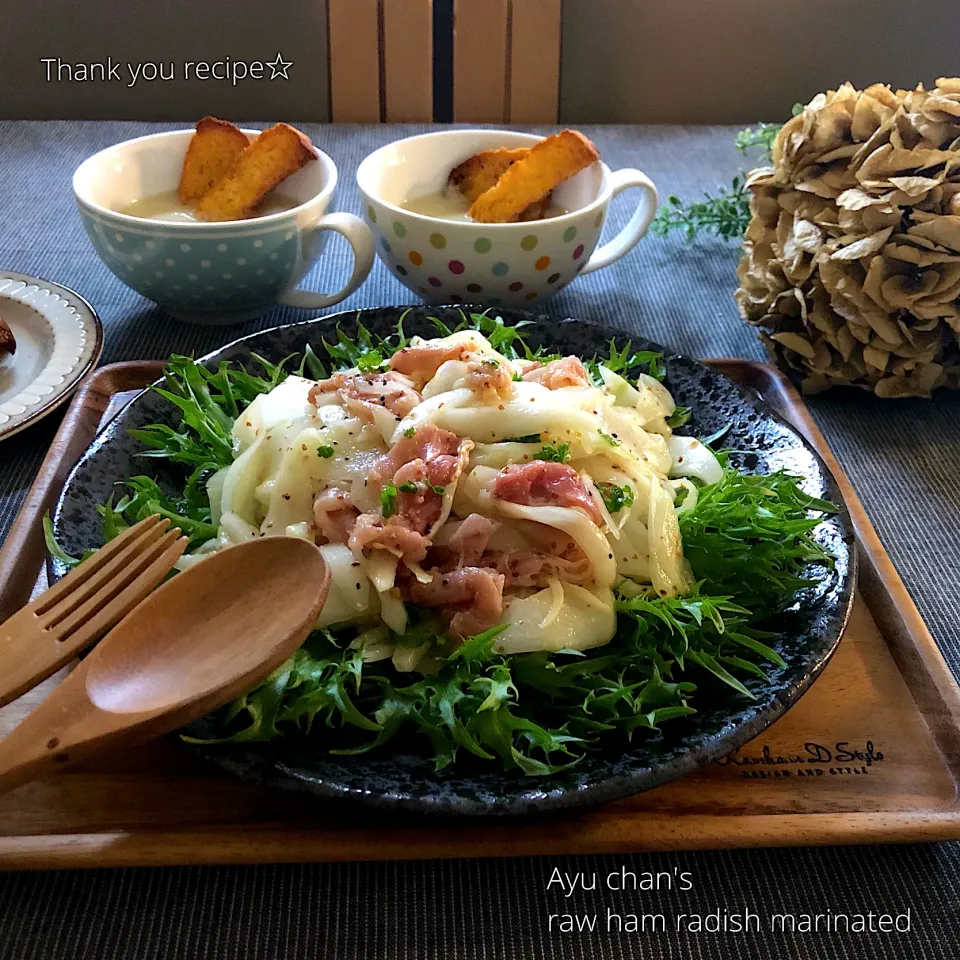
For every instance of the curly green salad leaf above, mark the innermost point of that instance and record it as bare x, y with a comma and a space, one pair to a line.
748, 539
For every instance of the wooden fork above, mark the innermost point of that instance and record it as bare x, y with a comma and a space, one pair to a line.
79, 609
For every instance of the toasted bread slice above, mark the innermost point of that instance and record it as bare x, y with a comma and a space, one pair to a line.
477, 174
548, 163
267, 161
8, 343
213, 150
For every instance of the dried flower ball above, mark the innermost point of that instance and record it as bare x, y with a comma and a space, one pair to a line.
851, 265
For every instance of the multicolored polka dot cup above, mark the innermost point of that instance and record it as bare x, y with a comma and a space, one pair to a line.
509, 264
212, 273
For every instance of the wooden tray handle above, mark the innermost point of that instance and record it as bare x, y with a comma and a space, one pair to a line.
24, 551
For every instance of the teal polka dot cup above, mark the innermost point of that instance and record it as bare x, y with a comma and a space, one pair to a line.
213, 273
508, 264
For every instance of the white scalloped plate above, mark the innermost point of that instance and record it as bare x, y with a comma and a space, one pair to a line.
59, 340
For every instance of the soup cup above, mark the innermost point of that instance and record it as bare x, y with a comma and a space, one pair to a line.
508, 264
212, 272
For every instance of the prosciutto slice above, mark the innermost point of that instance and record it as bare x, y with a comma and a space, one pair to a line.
470, 598
419, 468
437, 449
489, 379
565, 372
525, 568
541, 483
359, 393
334, 515
469, 542
394, 535
422, 362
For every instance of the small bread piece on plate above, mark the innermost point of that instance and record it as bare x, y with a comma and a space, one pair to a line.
477, 174
266, 162
526, 181
8, 343
213, 150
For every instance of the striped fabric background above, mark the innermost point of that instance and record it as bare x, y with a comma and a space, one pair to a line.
902, 457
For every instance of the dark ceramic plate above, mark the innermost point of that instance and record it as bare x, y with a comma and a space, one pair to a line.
405, 780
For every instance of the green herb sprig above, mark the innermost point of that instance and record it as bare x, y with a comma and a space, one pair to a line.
725, 213
554, 452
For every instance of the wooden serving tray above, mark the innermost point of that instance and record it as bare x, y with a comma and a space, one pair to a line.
870, 754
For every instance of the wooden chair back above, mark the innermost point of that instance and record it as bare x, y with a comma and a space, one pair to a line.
474, 61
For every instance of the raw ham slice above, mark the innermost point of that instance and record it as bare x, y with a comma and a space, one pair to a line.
565, 372
393, 535
334, 515
490, 379
542, 483
423, 507
469, 541
359, 393
525, 568
421, 362
472, 598
435, 447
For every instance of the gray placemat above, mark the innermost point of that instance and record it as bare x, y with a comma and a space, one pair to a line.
900, 455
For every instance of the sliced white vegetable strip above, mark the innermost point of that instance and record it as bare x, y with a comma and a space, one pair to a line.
691, 458
578, 625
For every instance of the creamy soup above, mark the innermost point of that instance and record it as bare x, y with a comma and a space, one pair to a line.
451, 204
167, 207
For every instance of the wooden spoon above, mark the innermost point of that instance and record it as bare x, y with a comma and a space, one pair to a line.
200, 640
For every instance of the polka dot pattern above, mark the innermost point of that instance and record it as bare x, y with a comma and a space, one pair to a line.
225, 273
510, 265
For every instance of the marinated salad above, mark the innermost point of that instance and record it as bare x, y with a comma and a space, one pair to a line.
528, 563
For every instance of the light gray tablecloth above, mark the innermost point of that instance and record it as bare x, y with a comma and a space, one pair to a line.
902, 457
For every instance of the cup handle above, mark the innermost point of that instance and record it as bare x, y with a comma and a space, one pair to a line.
636, 227
361, 242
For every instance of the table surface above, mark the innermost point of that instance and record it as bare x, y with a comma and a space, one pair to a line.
901, 456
